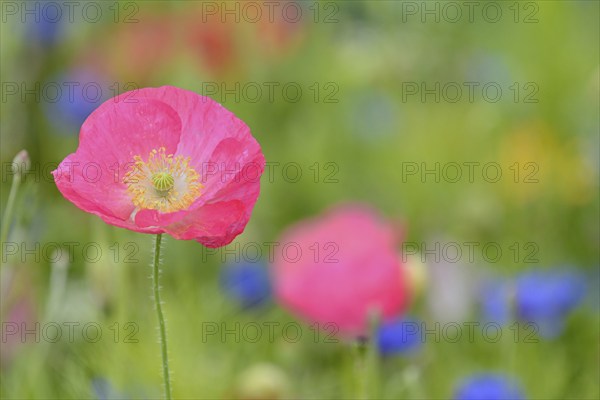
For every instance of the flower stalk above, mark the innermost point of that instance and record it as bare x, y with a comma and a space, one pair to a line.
20, 165
160, 316
366, 362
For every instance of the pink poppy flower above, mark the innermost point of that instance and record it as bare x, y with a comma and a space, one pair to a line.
165, 160
339, 268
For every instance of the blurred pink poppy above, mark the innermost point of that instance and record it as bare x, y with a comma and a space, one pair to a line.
165, 160
341, 267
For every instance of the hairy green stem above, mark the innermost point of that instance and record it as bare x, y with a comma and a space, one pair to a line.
161, 318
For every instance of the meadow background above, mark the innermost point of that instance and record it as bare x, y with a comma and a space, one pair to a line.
353, 131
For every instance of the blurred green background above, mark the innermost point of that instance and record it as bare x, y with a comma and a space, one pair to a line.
352, 129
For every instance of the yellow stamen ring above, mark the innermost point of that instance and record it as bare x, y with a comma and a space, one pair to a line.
163, 182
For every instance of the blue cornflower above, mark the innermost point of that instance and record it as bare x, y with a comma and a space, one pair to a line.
402, 336
44, 32
495, 302
73, 97
488, 387
247, 283
545, 298
542, 297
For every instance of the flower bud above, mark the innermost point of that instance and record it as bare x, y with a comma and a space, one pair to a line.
21, 163
262, 381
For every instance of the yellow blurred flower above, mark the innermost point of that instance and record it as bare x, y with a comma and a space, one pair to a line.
537, 163
262, 382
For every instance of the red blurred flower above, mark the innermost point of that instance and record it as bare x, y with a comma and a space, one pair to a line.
165, 160
211, 42
341, 267
281, 32
135, 52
